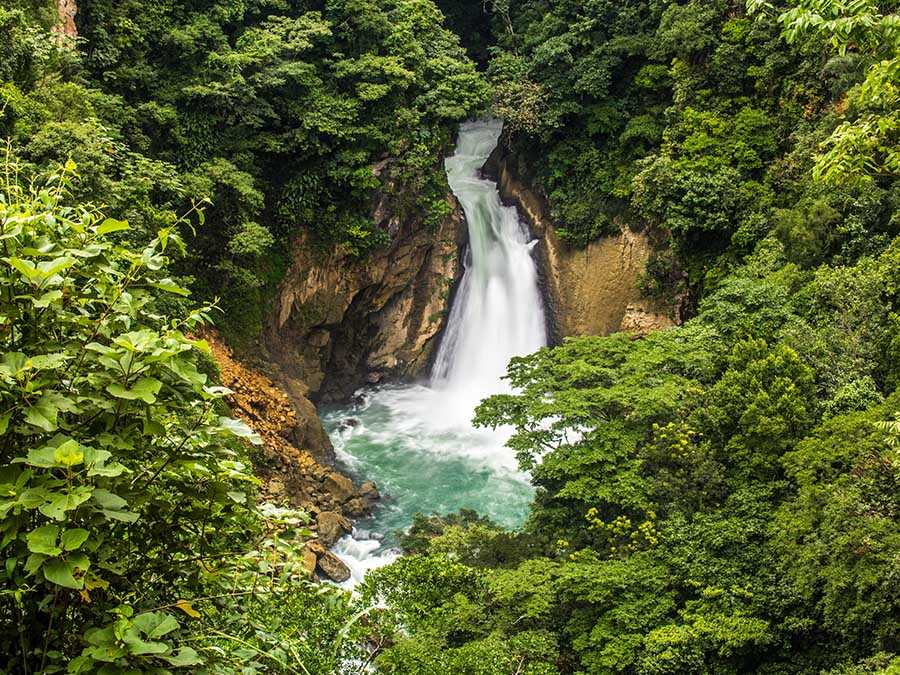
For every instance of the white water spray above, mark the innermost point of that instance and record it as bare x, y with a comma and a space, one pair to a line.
417, 442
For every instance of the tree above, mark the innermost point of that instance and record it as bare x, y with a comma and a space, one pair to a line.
867, 144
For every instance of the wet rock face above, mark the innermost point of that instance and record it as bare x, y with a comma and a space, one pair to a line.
340, 322
589, 291
332, 526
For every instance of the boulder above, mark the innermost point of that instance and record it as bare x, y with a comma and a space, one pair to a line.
357, 507
309, 560
316, 547
332, 526
333, 567
338, 486
368, 491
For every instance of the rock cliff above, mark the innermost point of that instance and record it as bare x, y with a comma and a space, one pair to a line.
589, 291
67, 9
340, 322
291, 471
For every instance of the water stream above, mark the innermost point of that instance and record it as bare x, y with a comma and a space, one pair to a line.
417, 441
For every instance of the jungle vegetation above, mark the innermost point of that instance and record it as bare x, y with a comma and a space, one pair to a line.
720, 497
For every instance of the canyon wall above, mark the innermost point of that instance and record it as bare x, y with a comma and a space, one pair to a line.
66, 9
340, 322
591, 290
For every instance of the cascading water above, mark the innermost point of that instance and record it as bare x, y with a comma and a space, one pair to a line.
498, 312
417, 442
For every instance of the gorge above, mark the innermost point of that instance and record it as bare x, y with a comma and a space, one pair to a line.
305, 372
416, 441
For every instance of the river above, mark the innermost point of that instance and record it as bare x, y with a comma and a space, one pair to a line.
417, 441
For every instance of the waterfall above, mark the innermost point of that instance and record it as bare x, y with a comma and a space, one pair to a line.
417, 441
497, 312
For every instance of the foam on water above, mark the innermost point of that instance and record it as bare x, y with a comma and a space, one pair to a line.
417, 442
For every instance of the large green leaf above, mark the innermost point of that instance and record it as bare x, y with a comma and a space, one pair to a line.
26, 268
61, 573
155, 624
96, 462
48, 268
183, 658
73, 539
239, 429
43, 540
170, 286
69, 454
60, 503
108, 500
144, 389
47, 299
44, 457
34, 497
121, 516
13, 363
43, 413
186, 370
48, 361
112, 505
34, 562
111, 225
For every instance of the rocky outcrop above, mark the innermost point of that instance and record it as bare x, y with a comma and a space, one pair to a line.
639, 321
340, 322
589, 291
291, 474
327, 564
331, 526
67, 9
284, 419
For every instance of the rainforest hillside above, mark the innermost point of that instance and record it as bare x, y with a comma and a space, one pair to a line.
722, 496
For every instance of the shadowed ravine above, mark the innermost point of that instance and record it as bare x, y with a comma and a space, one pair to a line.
417, 442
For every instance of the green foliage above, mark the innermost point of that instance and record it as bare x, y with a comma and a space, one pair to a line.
715, 498
720, 497
868, 142
274, 112
712, 124
123, 483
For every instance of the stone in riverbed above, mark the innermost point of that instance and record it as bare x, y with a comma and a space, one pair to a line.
368, 491
332, 526
333, 567
357, 507
338, 486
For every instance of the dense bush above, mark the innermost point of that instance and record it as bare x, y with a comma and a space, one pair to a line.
720, 497
716, 498
275, 113
704, 121
130, 535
